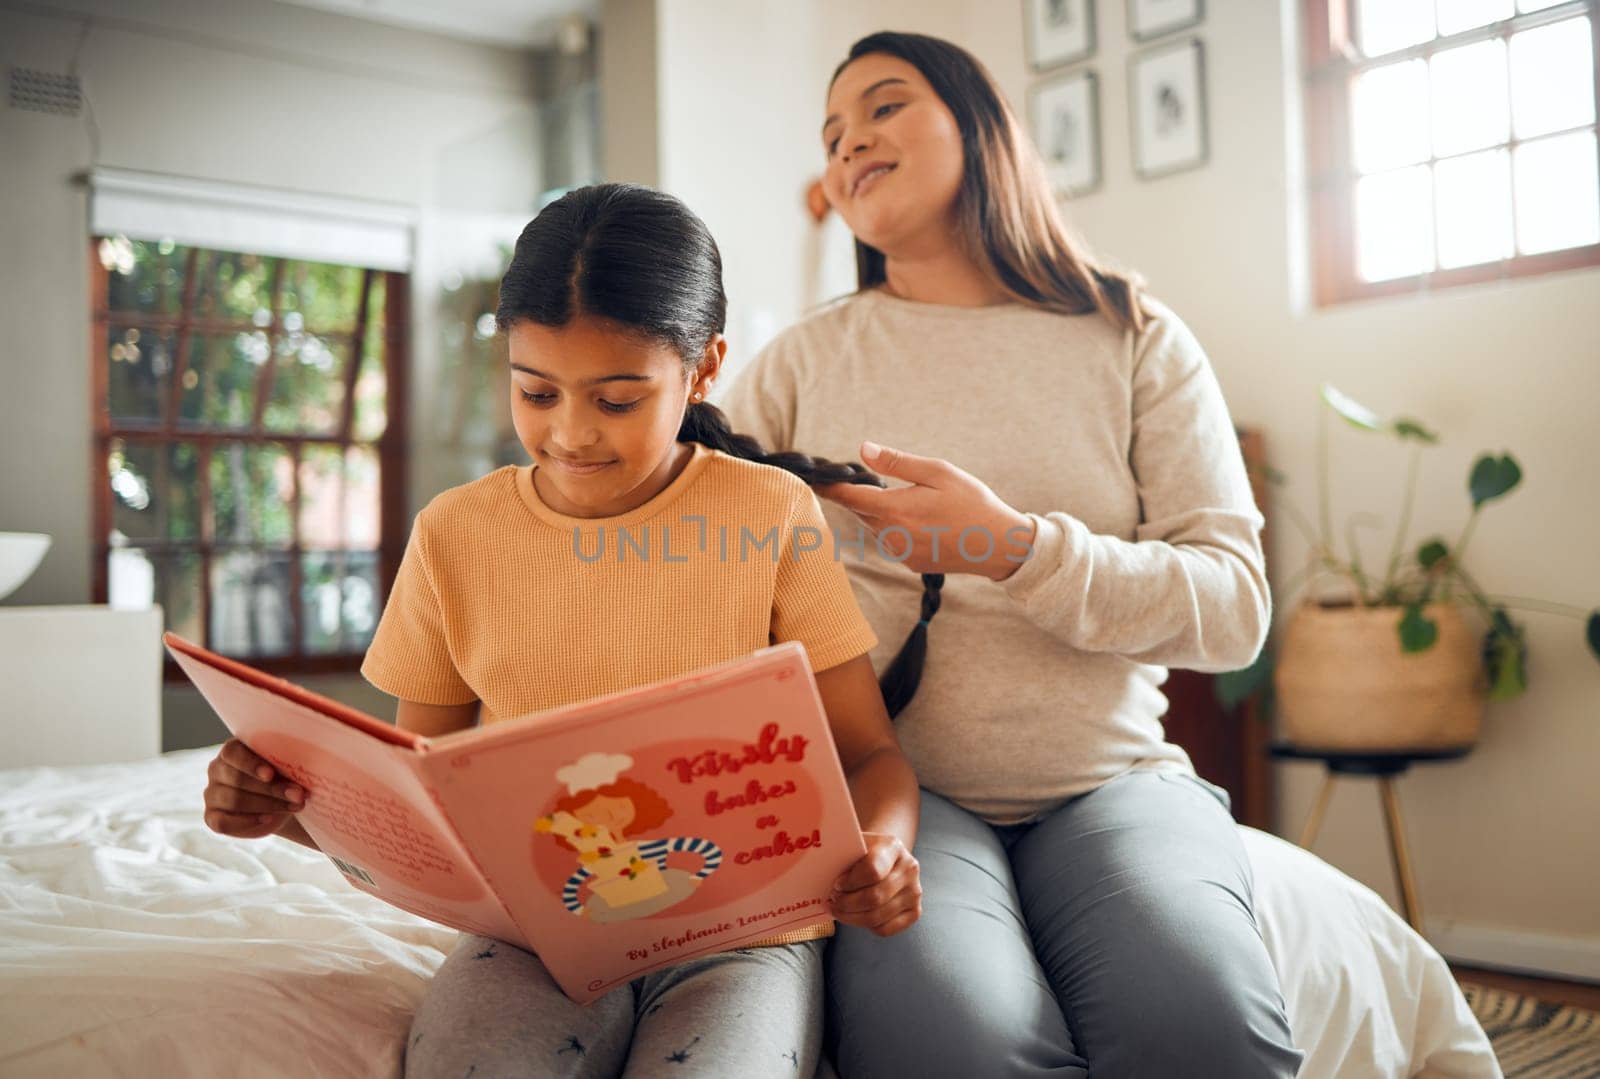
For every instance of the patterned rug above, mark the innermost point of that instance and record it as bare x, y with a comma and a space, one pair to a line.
1536, 1039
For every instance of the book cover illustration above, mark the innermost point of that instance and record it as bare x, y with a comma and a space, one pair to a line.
602, 820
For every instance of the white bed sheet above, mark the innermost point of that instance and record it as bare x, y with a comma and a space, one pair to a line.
136, 942
1366, 995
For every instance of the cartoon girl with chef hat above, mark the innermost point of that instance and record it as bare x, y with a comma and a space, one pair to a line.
598, 818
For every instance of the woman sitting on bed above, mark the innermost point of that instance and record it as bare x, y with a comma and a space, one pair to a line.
613, 307
1088, 905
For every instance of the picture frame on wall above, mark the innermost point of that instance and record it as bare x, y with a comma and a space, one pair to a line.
1167, 97
1058, 32
1149, 19
1065, 115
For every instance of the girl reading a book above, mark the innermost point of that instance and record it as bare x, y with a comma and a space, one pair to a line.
613, 311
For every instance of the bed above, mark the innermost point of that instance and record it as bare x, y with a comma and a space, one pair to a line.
137, 943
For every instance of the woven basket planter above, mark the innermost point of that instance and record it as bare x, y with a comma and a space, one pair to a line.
1344, 683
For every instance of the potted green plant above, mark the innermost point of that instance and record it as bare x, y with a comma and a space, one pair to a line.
1378, 658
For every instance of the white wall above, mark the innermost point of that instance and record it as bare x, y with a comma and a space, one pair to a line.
1503, 841
752, 166
713, 113
245, 92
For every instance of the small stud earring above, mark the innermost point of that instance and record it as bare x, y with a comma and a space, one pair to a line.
698, 396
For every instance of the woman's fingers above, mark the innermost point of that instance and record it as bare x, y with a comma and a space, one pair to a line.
859, 499
929, 471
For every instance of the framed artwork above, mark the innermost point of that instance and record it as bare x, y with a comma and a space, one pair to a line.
1152, 18
1065, 113
1058, 31
1167, 94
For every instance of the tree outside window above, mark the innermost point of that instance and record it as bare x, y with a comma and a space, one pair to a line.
250, 447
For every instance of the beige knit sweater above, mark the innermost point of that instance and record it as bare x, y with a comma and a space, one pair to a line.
1147, 554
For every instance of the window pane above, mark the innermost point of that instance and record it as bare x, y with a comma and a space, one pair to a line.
1394, 224
219, 383
372, 389
145, 276
252, 492
339, 497
321, 296
153, 491
138, 578
178, 590
1390, 116
250, 613
372, 386
235, 288
1473, 199
308, 385
361, 603
1387, 25
1469, 98
131, 580
138, 371
339, 598
1552, 78
321, 497
362, 514
1558, 205
1458, 15
320, 580
1537, 5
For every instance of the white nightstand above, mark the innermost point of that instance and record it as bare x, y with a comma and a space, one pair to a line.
79, 685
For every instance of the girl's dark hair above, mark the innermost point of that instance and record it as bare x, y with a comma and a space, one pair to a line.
641, 260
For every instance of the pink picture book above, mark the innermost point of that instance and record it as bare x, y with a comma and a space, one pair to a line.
611, 837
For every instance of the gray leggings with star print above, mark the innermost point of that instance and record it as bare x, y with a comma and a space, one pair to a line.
493, 1011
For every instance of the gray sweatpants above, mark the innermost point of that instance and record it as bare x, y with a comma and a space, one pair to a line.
493, 1010
1112, 938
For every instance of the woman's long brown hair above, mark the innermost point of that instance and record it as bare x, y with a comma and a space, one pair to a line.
1009, 225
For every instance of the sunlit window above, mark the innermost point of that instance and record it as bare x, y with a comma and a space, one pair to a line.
1452, 141
248, 452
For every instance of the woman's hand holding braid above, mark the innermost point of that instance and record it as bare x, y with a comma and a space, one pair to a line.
948, 518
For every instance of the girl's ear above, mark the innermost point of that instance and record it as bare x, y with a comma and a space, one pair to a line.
710, 365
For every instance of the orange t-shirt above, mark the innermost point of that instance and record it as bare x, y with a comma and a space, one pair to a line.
503, 600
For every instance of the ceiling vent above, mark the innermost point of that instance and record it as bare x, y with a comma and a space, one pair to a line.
45, 91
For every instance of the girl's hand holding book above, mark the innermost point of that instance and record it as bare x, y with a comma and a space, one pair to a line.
882, 891
244, 795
